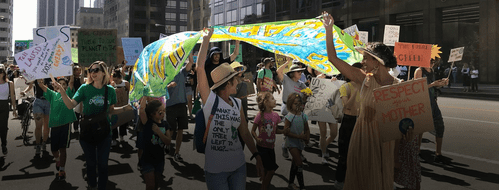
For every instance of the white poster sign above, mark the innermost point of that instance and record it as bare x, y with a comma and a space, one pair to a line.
392, 34
456, 54
364, 36
353, 31
44, 59
317, 106
19, 86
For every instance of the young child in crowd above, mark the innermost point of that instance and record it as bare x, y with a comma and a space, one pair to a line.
59, 124
155, 134
266, 121
298, 133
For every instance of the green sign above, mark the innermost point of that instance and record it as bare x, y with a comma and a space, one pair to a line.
21, 45
239, 57
74, 55
97, 45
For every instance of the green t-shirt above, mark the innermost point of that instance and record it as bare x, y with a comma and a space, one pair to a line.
267, 79
59, 113
93, 98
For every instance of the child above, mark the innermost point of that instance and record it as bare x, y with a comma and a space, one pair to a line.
59, 124
266, 121
297, 131
155, 135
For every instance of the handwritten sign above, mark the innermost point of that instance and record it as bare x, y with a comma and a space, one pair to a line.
280, 60
132, 47
412, 54
456, 54
44, 34
364, 36
392, 34
353, 31
317, 106
44, 59
223, 136
402, 106
97, 45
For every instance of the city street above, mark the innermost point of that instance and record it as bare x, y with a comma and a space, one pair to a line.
470, 146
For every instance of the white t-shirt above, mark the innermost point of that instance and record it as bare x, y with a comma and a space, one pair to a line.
224, 152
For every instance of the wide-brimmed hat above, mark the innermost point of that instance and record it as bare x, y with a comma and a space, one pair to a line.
295, 67
236, 64
2, 66
222, 74
370, 52
268, 60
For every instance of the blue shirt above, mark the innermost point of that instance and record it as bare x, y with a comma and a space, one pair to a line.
177, 93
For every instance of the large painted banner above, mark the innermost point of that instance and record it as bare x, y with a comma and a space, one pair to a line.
403, 106
132, 47
319, 103
44, 59
97, 45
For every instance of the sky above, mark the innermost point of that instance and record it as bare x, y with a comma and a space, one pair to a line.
24, 19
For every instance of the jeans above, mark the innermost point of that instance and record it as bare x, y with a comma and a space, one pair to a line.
474, 84
235, 180
97, 156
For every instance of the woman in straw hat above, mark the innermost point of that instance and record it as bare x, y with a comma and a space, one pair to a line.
225, 164
370, 162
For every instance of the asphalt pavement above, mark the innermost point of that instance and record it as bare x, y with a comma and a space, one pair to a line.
470, 148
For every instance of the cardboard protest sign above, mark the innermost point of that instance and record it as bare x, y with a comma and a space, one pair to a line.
317, 106
121, 97
132, 47
413, 54
364, 36
44, 34
120, 55
19, 86
456, 54
121, 118
392, 34
97, 45
280, 60
401, 106
44, 59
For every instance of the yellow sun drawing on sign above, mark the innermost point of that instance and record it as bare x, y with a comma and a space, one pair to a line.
435, 51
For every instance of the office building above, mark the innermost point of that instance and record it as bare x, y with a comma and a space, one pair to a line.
98, 4
57, 12
88, 18
175, 16
6, 12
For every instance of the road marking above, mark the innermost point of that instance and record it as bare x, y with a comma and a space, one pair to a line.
489, 122
464, 156
474, 109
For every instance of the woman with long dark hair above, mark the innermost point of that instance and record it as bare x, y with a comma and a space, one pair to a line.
6, 90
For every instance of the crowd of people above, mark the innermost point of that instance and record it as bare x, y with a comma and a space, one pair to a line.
217, 83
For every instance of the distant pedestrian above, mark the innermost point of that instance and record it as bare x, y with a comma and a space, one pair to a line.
242, 87
122, 88
265, 81
466, 78
216, 58
474, 79
6, 91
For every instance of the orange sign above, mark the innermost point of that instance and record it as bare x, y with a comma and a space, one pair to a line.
412, 54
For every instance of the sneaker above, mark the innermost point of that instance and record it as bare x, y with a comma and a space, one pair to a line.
293, 186
338, 185
324, 161
4, 150
38, 150
285, 153
44, 146
178, 158
303, 159
61, 176
114, 143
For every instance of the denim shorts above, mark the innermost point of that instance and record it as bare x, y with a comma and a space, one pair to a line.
41, 106
235, 180
150, 167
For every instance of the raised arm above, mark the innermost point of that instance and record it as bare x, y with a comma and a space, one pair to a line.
204, 88
234, 54
354, 74
188, 66
42, 85
280, 70
70, 103
142, 110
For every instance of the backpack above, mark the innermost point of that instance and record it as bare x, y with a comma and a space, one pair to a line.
255, 79
201, 131
337, 105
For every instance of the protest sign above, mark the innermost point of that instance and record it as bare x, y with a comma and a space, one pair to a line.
19, 86
353, 31
97, 45
280, 60
120, 55
74, 55
44, 34
364, 36
239, 57
456, 54
318, 104
413, 54
401, 106
44, 59
392, 34
21, 45
132, 47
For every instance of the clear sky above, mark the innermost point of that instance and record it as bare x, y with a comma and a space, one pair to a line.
24, 19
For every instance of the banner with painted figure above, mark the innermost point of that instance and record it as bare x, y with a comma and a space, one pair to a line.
158, 64
44, 59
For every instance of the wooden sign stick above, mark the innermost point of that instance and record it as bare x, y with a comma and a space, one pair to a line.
408, 73
450, 70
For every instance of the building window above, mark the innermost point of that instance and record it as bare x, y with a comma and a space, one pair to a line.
91, 20
84, 20
140, 15
3, 48
219, 19
3, 1
140, 27
183, 17
245, 11
219, 2
155, 15
3, 29
170, 28
98, 20
171, 4
171, 16
231, 17
183, 28
4, 10
259, 9
183, 5
3, 39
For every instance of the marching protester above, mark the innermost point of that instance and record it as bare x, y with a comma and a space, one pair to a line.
176, 107
474, 79
350, 98
75, 82
59, 123
265, 81
123, 87
95, 138
41, 113
190, 89
6, 92
466, 78
297, 132
266, 122
225, 166
370, 161
242, 87
438, 121
156, 134
216, 58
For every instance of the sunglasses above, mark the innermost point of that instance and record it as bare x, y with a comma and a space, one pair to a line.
239, 69
94, 70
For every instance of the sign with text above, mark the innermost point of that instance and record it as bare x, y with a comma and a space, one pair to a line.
412, 54
392, 34
318, 105
364, 36
97, 45
456, 54
132, 47
44, 34
403, 106
44, 59
279, 61
353, 31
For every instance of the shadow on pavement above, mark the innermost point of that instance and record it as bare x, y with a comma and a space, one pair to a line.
188, 171
3, 167
124, 149
61, 185
38, 163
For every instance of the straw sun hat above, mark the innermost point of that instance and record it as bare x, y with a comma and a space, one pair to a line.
236, 64
295, 67
222, 74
